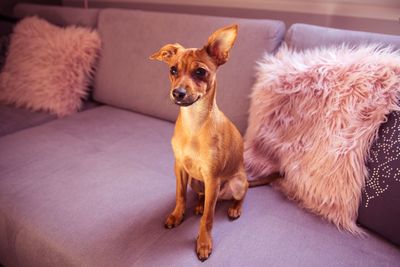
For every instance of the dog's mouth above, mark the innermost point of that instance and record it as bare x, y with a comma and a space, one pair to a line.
185, 103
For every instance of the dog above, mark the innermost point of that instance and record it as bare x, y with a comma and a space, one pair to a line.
207, 146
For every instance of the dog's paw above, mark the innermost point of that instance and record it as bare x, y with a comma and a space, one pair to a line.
234, 212
173, 221
203, 248
199, 209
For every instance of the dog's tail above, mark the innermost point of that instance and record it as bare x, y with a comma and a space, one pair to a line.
265, 180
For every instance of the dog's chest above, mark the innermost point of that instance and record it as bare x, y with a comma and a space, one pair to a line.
187, 153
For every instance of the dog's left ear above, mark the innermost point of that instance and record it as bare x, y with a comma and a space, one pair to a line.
220, 43
167, 52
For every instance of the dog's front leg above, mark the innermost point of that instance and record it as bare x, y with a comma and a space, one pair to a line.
176, 217
204, 240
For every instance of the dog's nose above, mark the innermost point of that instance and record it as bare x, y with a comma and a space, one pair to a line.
179, 93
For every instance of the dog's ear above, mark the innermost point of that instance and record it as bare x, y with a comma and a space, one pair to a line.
220, 43
167, 52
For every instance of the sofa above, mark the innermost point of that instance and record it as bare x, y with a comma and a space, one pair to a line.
94, 188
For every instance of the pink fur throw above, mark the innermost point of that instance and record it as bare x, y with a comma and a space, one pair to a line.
313, 117
48, 68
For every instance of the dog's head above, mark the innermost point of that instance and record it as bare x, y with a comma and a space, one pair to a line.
192, 71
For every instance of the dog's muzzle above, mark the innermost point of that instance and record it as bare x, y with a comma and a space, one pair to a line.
180, 97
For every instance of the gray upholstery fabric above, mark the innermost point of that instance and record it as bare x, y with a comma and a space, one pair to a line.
62, 16
14, 119
72, 191
93, 189
126, 77
303, 36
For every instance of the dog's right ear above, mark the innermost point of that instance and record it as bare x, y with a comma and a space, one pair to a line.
167, 52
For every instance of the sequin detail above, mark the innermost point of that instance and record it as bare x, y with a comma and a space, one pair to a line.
384, 163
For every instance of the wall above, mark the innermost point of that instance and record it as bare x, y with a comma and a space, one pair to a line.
365, 15
6, 6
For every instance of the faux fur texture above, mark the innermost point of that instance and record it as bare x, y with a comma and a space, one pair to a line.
48, 68
313, 117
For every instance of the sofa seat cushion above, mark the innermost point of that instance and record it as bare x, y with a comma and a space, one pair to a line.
94, 189
13, 119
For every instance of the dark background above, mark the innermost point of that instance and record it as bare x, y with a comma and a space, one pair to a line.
6, 6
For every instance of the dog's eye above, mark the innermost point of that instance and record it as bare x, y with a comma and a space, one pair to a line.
173, 70
200, 72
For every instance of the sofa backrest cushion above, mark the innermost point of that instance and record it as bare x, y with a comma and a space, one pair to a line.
304, 36
126, 78
61, 16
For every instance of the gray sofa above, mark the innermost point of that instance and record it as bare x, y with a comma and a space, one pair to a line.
93, 189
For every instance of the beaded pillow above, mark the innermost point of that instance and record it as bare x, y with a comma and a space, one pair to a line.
379, 210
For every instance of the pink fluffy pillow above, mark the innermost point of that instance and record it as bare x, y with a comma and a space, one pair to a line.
313, 117
48, 68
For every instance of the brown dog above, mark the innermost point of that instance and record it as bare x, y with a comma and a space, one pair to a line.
207, 146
